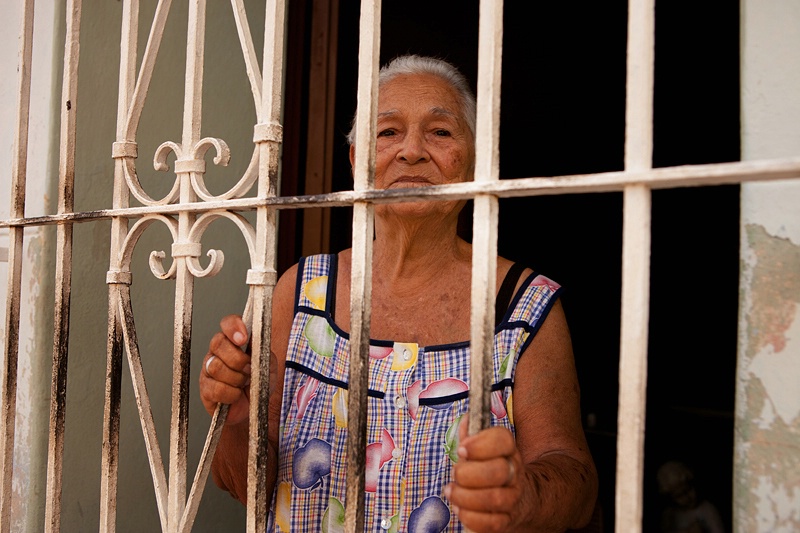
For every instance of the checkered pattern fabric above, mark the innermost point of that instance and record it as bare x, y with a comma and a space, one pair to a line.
416, 396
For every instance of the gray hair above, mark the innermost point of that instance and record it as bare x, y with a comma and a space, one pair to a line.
414, 64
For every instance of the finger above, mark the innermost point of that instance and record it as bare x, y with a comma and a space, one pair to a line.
235, 329
213, 392
495, 472
216, 369
484, 500
486, 444
489, 522
228, 353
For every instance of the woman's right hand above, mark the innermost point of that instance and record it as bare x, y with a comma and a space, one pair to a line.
225, 375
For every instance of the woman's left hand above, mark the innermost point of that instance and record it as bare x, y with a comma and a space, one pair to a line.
488, 481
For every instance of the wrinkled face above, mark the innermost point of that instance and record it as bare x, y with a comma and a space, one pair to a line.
422, 138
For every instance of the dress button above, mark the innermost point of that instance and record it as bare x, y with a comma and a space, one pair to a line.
386, 523
400, 402
397, 453
406, 354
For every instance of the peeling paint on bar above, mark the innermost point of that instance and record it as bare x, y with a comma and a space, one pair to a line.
63, 274
658, 178
14, 252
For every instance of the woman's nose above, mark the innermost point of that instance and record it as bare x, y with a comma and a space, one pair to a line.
413, 148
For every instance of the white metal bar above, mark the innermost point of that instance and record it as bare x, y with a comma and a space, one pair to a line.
119, 229
14, 253
184, 280
125, 313
136, 102
63, 279
633, 359
248, 49
268, 136
657, 178
484, 236
361, 268
635, 268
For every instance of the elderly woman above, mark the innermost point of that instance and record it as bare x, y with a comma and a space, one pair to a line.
530, 471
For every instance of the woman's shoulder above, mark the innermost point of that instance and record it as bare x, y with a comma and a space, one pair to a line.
506, 269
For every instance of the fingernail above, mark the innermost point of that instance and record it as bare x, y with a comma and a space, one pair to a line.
455, 509
239, 338
447, 491
462, 452
246, 369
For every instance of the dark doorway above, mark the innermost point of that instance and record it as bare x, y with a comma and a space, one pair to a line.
563, 112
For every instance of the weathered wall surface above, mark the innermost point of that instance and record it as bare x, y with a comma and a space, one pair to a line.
36, 290
767, 469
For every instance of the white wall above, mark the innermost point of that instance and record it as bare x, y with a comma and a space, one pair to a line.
767, 448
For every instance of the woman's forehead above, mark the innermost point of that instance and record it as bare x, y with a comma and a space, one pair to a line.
413, 87
423, 91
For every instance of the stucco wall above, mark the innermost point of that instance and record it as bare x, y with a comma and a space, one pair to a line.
767, 448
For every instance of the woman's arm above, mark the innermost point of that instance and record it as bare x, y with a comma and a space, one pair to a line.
226, 379
545, 479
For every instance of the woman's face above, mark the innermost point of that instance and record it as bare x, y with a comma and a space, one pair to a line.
422, 137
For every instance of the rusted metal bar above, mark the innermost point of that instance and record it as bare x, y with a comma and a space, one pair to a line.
125, 313
184, 280
262, 276
484, 241
635, 268
63, 274
119, 230
657, 178
8, 385
361, 267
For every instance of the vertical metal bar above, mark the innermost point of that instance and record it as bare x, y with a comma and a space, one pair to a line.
361, 269
119, 229
184, 281
58, 390
484, 240
268, 135
8, 386
635, 269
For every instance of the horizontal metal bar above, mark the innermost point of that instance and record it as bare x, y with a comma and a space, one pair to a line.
658, 178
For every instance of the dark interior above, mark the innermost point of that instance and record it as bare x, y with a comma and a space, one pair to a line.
563, 112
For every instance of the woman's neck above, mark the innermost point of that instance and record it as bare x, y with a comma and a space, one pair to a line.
411, 255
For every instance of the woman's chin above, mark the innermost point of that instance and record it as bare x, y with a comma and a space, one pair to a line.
418, 210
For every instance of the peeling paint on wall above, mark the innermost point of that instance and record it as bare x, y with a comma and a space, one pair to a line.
767, 484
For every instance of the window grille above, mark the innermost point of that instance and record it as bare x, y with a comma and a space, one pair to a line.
189, 208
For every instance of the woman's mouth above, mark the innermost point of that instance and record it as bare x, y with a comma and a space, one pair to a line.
410, 181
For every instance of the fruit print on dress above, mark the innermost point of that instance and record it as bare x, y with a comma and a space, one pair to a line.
310, 463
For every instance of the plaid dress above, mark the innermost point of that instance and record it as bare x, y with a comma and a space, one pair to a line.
417, 395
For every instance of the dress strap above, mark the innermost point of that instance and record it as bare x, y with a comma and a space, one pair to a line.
313, 288
506, 292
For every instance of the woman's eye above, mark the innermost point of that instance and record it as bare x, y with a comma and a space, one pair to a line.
442, 133
385, 133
